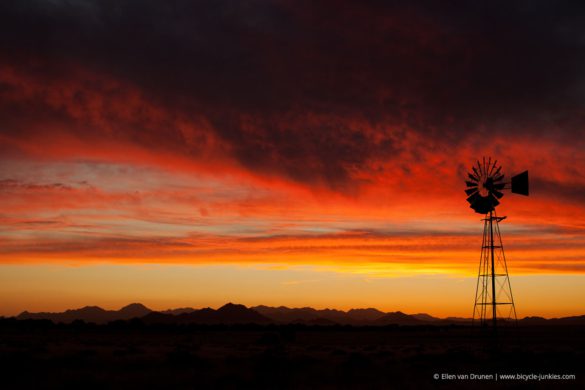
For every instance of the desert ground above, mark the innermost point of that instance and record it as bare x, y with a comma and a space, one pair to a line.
130, 354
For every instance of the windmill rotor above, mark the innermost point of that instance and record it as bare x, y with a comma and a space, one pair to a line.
485, 185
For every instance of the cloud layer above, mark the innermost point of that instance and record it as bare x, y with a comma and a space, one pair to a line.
147, 124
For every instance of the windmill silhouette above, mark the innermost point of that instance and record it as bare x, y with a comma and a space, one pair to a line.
493, 294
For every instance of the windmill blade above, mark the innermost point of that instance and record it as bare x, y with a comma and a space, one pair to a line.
482, 205
471, 184
493, 167
499, 186
498, 170
477, 174
479, 209
473, 177
498, 178
480, 202
497, 194
494, 201
470, 191
473, 198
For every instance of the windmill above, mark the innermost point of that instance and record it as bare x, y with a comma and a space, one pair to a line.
493, 294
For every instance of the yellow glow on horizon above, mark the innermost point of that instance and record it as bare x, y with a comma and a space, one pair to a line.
167, 286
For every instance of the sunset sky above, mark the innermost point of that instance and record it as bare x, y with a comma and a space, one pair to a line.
298, 153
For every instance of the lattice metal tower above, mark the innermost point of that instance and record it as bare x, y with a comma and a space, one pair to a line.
493, 295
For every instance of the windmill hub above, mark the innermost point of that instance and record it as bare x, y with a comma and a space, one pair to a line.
487, 187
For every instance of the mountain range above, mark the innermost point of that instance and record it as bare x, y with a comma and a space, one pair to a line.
227, 314
240, 314
90, 314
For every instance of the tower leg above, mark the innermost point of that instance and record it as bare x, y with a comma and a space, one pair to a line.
491, 245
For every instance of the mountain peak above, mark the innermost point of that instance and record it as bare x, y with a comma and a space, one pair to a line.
369, 309
135, 307
398, 318
368, 314
133, 310
87, 309
134, 304
232, 307
425, 317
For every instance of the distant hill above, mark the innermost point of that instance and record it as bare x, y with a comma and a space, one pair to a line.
90, 314
425, 317
308, 315
283, 314
227, 314
458, 320
575, 320
180, 310
399, 318
369, 314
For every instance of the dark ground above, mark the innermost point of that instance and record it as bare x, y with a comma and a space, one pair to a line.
38, 354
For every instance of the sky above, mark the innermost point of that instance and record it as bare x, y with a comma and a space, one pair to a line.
299, 153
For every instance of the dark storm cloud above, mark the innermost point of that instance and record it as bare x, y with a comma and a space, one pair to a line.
256, 69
